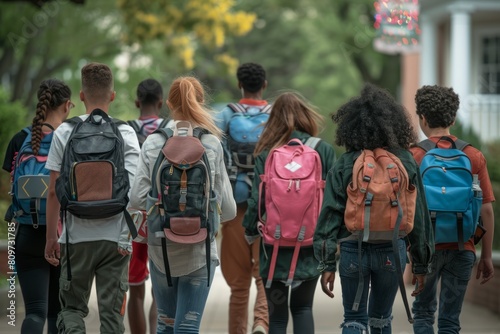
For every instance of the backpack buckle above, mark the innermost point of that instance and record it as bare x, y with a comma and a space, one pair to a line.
394, 179
366, 178
394, 203
183, 198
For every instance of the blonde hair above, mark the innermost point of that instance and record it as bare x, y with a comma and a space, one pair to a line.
290, 112
186, 100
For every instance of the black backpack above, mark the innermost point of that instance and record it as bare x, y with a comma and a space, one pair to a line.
185, 211
93, 181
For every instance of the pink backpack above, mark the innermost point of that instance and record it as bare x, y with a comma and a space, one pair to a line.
292, 188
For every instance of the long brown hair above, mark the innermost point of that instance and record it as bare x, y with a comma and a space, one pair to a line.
51, 94
290, 111
186, 98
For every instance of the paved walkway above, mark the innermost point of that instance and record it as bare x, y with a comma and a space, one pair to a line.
327, 313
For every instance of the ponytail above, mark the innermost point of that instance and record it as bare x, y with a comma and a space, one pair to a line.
186, 97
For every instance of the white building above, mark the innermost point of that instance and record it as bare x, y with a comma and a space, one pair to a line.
460, 48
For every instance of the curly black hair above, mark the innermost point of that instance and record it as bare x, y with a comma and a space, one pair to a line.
251, 76
149, 92
372, 120
439, 105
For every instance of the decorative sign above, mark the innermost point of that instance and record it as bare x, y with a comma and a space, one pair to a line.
396, 24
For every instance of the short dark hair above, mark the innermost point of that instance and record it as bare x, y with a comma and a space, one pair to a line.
439, 105
149, 92
97, 82
251, 76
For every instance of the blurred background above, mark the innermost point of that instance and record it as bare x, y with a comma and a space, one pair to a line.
324, 49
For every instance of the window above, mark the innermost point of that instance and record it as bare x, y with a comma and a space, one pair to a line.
489, 80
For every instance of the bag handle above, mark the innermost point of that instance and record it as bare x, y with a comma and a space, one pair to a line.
448, 139
98, 112
185, 125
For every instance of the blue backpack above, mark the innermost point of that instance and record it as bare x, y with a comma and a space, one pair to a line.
243, 132
449, 186
31, 182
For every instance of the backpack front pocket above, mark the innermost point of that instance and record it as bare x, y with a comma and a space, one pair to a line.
93, 181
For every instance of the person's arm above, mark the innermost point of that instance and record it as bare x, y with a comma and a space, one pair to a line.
52, 247
485, 269
251, 218
227, 202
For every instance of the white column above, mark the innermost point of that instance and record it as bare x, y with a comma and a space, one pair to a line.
428, 57
460, 59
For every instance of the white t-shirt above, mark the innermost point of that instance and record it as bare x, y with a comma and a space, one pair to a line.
81, 230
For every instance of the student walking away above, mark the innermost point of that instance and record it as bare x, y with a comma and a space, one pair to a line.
374, 210
457, 229
291, 166
183, 186
25, 161
92, 160
242, 124
149, 101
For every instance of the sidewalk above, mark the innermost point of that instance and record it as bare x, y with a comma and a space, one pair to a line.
327, 314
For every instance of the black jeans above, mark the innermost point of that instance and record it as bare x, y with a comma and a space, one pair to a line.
301, 301
38, 279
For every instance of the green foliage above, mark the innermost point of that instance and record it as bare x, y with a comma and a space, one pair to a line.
12, 120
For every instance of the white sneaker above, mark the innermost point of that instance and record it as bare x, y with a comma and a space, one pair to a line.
259, 330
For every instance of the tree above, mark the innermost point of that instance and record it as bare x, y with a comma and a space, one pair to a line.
184, 25
52, 40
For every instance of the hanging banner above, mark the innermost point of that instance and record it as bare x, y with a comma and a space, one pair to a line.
396, 25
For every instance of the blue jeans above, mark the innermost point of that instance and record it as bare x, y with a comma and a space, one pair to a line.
380, 285
454, 268
180, 307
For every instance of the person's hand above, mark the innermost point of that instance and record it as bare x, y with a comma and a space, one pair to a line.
327, 280
485, 270
52, 251
123, 251
419, 282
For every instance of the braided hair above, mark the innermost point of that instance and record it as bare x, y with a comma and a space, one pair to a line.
251, 76
51, 94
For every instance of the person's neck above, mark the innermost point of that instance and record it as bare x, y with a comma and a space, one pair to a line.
253, 96
53, 120
91, 108
438, 132
149, 112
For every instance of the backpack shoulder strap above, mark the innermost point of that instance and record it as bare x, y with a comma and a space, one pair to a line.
164, 122
135, 125
165, 132
461, 144
237, 107
199, 132
74, 120
312, 142
267, 109
426, 145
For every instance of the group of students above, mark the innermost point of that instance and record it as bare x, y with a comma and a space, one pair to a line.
102, 248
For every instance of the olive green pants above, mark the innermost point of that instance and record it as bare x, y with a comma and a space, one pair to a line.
99, 259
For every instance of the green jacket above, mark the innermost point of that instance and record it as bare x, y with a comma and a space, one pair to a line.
331, 228
307, 265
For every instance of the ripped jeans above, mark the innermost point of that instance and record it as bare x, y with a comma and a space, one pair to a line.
379, 290
180, 307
